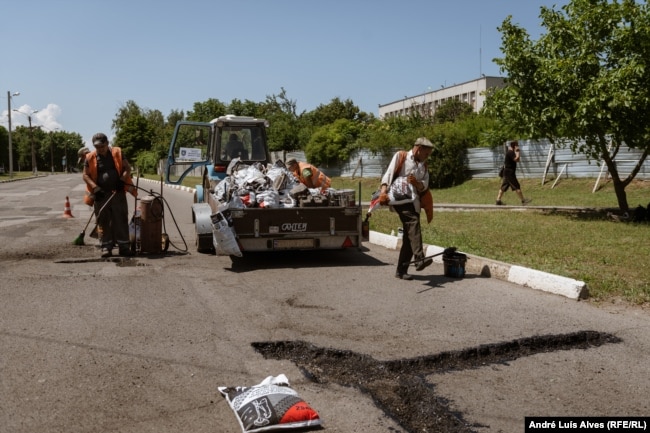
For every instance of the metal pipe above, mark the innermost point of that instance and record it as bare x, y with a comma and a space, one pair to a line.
11, 156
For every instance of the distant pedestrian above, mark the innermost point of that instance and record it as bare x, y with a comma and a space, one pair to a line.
509, 179
409, 168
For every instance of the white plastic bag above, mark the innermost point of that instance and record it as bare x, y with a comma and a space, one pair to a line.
401, 191
223, 236
270, 405
270, 198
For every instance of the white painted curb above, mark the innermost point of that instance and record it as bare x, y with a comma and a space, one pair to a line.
539, 280
531, 278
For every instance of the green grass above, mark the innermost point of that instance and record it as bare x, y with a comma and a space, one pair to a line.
20, 175
611, 257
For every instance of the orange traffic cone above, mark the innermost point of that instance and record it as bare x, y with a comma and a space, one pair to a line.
67, 212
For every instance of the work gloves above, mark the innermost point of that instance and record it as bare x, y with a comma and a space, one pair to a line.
98, 194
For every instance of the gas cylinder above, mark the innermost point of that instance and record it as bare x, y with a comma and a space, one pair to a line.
151, 216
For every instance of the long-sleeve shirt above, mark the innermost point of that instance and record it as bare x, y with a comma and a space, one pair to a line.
410, 166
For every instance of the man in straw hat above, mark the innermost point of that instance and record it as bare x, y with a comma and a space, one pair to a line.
409, 167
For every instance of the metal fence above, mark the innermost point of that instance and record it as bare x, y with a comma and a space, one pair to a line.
483, 163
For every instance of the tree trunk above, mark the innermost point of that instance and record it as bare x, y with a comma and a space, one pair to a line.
619, 185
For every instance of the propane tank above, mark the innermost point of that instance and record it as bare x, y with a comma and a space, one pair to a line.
151, 214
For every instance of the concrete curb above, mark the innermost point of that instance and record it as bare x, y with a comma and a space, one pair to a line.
166, 185
531, 278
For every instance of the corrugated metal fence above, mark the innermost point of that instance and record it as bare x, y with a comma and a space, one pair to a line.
485, 163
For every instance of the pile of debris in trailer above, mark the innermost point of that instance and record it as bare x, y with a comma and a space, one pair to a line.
256, 186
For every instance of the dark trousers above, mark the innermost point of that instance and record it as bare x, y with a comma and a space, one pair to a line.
412, 237
113, 221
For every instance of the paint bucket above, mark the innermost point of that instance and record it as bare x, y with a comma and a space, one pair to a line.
454, 264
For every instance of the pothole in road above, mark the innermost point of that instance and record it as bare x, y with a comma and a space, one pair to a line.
399, 387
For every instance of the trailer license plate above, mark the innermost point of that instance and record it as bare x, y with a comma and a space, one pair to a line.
285, 244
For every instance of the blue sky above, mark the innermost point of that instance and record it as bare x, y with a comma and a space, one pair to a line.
78, 61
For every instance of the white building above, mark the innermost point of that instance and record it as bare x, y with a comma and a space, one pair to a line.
472, 92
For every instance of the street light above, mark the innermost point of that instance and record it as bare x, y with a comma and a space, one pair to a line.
11, 157
31, 137
52, 148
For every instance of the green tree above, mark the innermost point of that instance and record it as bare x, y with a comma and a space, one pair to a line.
21, 144
135, 135
244, 108
284, 128
206, 111
4, 149
333, 143
333, 111
585, 82
452, 110
447, 163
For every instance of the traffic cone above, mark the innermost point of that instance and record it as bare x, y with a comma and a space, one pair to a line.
67, 212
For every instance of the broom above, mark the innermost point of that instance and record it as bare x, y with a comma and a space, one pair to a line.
447, 251
79, 240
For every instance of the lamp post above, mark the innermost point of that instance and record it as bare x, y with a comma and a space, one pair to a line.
11, 156
31, 137
65, 157
52, 149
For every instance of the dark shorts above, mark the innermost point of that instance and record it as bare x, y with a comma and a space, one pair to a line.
509, 181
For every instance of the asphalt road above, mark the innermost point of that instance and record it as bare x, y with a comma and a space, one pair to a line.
89, 345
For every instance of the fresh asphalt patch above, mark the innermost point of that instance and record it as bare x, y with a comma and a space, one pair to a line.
400, 387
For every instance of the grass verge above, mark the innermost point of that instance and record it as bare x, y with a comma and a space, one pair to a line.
611, 257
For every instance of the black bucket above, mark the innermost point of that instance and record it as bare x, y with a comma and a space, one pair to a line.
454, 264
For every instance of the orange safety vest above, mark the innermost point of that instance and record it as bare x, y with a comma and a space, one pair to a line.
91, 157
318, 177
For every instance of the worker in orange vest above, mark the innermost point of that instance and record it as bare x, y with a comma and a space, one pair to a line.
107, 174
308, 175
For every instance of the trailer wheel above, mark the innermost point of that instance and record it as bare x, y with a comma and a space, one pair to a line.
204, 244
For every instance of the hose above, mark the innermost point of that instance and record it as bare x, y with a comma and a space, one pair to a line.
164, 203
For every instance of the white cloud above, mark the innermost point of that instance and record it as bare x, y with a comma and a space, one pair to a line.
45, 117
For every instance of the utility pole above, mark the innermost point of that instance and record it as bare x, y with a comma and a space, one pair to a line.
11, 156
31, 137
